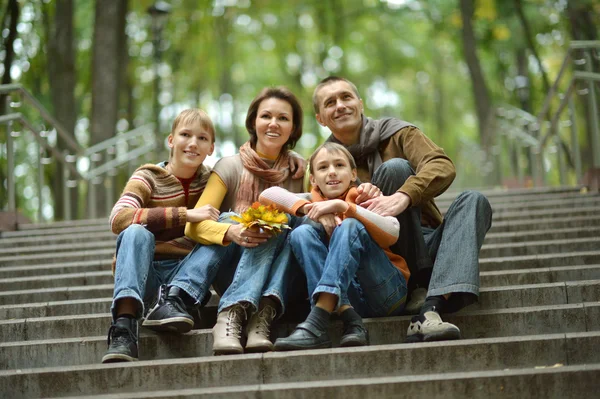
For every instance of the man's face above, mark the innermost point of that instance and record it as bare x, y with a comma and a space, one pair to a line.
340, 109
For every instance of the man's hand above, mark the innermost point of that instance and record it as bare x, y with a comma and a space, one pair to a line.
206, 212
297, 165
318, 209
391, 205
367, 191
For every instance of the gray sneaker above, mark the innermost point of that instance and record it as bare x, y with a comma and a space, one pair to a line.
431, 327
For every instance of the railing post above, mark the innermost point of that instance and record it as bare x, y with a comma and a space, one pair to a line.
10, 163
561, 160
109, 181
594, 113
576, 153
40, 182
66, 191
92, 182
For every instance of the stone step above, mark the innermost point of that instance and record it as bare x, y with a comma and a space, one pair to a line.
539, 381
79, 350
66, 223
55, 231
533, 216
48, 250
55, 268
56, 281
540, 247
541, 235
540, 261
539, 204
97, 324
58, 257
96, 236
332, 364
518, 194
539, 276
544, 224
55, 294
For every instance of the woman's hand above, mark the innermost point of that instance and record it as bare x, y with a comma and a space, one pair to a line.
297, 165
245, 237
367, 191
206, 212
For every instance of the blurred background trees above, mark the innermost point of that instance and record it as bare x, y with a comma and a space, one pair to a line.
444, 65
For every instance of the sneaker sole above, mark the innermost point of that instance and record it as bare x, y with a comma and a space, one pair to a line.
228, 351
353, 342
441, 336
118, 358
176, 324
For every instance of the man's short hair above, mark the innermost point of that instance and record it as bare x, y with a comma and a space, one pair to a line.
327, 81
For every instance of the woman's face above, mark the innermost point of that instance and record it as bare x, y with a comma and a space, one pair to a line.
274, 124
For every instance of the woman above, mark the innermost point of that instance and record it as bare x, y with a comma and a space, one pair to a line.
259, 283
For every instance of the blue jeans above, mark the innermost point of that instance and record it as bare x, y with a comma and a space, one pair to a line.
253, 273
446, 259
138, 275
352, 267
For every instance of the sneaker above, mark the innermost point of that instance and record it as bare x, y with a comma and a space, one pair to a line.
122, 341
227, 332
417, 299
355, 334
430, 327
169, 312
259, 330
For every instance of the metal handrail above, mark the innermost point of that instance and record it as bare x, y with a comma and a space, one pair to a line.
60, 130
71, 174
544, 120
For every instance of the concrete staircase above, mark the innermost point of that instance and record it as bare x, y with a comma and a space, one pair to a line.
534, 333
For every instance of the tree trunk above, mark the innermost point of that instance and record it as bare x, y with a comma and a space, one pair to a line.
109, 37
480, 90
12, 13
62, 78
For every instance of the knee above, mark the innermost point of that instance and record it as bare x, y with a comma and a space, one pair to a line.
477, 200
302, 233
351, 226
392, 173
138, 234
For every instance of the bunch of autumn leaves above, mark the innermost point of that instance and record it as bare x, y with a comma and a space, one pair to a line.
265, 217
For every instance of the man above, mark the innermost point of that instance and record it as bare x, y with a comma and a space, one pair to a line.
442, 253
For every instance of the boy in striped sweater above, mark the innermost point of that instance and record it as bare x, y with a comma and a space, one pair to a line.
347, 262
153, 254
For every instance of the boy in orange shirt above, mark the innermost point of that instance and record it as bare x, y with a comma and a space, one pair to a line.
348, 264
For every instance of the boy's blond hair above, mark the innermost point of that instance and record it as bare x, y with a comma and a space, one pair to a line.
192, 115
332, 148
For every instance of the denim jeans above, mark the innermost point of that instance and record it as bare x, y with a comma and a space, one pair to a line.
446, 259
352, 267
138, 276
252, 273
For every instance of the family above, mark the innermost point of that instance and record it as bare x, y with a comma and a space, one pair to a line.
367, 240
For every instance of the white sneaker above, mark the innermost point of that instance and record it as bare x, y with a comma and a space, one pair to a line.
431, 327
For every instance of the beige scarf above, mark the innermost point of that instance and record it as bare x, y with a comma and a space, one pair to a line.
255, 171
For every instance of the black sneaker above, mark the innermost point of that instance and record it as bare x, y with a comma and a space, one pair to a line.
169, 313
122, 341
355, 334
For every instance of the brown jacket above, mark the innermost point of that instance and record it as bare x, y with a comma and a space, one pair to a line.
434, 171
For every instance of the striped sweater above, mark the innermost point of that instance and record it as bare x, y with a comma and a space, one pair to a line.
383, 229
156, 199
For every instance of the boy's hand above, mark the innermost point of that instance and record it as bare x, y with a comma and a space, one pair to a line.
318, 209
206, 212
367, 191
391, 205
297, 165
330, 222
245, 237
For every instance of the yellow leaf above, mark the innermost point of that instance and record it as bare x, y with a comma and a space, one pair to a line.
486, 9
501, 32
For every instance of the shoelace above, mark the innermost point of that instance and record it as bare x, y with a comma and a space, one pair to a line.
265, 318
234, 320
120, 335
